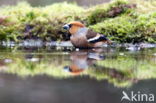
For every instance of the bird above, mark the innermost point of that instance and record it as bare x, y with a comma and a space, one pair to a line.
83, 37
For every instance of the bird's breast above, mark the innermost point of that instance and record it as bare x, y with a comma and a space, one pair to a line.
79, 41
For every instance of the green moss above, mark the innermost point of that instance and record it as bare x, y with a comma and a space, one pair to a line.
39, 22
129, 29
121, 20
133, 25
117, 29
114, 9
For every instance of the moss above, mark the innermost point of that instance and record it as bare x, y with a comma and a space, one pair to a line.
121, 20
116, 29
114, 9
129, 29
36, 22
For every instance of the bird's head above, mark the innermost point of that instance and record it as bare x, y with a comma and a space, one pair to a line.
73, 27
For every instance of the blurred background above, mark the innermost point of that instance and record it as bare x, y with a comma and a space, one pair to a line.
47, 2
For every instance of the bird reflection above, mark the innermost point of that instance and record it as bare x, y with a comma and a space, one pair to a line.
82, 60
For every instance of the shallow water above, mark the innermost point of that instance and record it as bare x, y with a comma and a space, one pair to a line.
51, 74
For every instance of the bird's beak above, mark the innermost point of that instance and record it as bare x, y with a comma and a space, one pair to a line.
67, 68
66, 27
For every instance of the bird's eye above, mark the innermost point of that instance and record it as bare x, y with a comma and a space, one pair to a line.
70, 25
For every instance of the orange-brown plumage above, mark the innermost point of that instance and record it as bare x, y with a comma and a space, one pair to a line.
75, 27
83, 37
76, 23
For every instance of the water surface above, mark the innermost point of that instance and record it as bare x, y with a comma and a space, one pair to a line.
65, 75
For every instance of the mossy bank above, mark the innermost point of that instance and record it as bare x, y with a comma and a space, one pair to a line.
122, 21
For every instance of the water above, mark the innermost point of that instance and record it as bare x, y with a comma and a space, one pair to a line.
59, 74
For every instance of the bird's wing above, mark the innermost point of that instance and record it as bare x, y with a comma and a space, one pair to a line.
93, 37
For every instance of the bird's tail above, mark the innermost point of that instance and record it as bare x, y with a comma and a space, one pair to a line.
109, 41
106, 40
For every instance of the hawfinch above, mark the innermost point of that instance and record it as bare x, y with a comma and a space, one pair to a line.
82, 37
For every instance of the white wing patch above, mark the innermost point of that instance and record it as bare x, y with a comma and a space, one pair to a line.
95, 38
